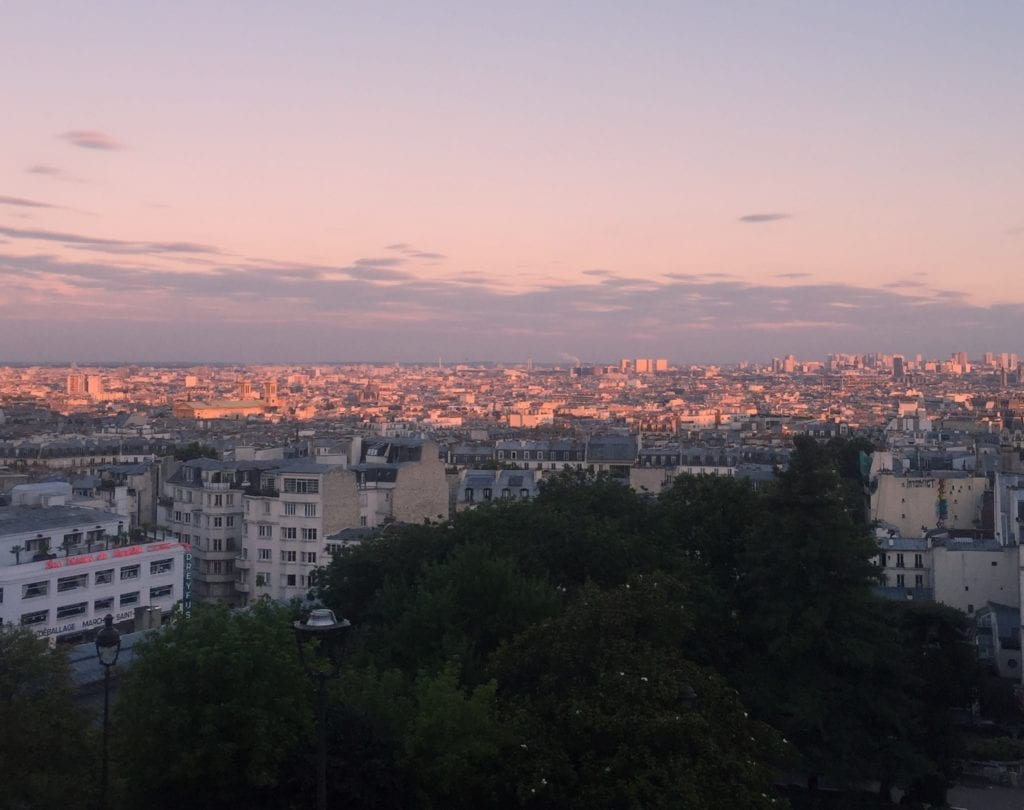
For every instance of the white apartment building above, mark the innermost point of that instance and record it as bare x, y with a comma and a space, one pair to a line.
287, 521
202, 507
300, 503
64, 568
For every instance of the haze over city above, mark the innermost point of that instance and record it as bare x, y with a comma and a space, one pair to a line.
710, 182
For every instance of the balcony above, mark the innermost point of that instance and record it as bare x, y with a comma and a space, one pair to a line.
262, 492
219, 486
243, 565
242, 587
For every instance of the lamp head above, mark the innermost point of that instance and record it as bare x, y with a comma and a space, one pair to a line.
108, 642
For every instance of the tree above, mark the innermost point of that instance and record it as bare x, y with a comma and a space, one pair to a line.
47, 742
211, 709
195, 450
17, 551
815, 655
612, 714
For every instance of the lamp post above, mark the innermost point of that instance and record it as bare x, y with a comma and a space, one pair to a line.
108, 647
321, 665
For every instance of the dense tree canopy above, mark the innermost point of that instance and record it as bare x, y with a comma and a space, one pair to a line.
46, 741
592, 648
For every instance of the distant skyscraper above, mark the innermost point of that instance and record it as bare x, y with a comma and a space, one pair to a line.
75, 384
94, 385
643, 365
899, 367
661, 364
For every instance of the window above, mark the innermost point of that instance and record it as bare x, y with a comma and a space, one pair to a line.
302, 486
994, 563
901, 581
288, 556
229, 521
506, 493
216, 544
469, 494
129, 598
33, 589
38, 617
229, 500
309, 534
918, 561
289, 580
333, 548
264, 554
899, 561
104, 577
266, 507
310, 510
362, 520
290, 507
218, 500
309, 557
289, 533
214, 567
177, 516
218, 522
130, 572
103, 604
72, 583
524, 493
161, 591
918, 580
188, 517
487, 494
76, 609
161, 567
265, 530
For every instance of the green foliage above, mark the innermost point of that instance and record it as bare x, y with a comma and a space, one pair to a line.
48, 748
211, 708
998, 749
195, 450
612, 713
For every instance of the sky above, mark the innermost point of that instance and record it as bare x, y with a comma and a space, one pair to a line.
316, 181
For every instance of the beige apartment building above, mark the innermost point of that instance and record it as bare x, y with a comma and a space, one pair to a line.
915, 504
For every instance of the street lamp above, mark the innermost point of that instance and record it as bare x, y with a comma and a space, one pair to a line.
108, 647
322, 662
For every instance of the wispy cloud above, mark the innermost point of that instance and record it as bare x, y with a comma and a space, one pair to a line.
47, 170
21, 202
758, 218
91, 139
106, 245
792, 275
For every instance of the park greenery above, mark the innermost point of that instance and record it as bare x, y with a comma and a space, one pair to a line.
593, 648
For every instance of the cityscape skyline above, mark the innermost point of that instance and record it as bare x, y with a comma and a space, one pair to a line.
711, 182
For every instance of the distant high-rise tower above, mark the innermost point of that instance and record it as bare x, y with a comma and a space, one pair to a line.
270, 392
643, 365
899, 367
75, 384
94, 385
661, 364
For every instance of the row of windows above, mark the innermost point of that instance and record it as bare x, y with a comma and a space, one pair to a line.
107, 603
287, 532
487, 493
32, 590
212, 499
308, 557
901, 581
292, 508
302, 486
212, 522
553, 455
